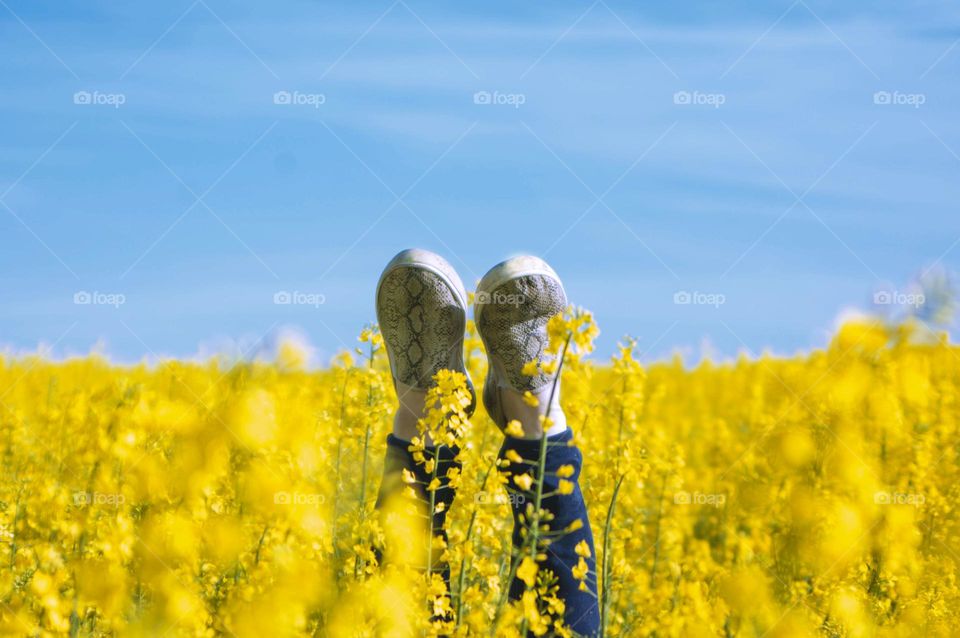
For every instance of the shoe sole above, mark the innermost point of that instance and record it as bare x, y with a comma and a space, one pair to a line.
422, 311
525, 292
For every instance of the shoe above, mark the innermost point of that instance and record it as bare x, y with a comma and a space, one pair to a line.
512, 306
422, 312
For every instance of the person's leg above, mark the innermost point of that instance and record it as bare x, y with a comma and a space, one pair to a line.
421, 309
570, 522
399, 459
515, 300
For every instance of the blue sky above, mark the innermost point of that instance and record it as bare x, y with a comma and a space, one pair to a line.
737, 151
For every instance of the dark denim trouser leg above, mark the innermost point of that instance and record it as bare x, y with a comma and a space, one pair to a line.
398, 459
582, 613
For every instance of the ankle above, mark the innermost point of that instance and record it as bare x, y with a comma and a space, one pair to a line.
516, 407
409, 412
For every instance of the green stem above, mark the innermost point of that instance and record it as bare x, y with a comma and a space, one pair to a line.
656, 540
541, 468
263, 536
607, 531
511, 574
608, 525
358, 563
338, 482
542, 460
433, 505
466, 542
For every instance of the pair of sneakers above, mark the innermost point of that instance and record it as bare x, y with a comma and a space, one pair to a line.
422, 312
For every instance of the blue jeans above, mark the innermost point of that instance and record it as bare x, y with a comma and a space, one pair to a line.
582, 613
398, 459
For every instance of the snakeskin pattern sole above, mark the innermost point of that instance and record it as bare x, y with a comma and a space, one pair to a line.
422, 310
514, 301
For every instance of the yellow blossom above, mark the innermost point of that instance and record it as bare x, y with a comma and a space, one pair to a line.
524, 481
514, 428
794, 495
582, 549
527, 571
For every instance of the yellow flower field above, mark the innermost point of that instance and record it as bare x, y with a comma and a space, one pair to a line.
799, 496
